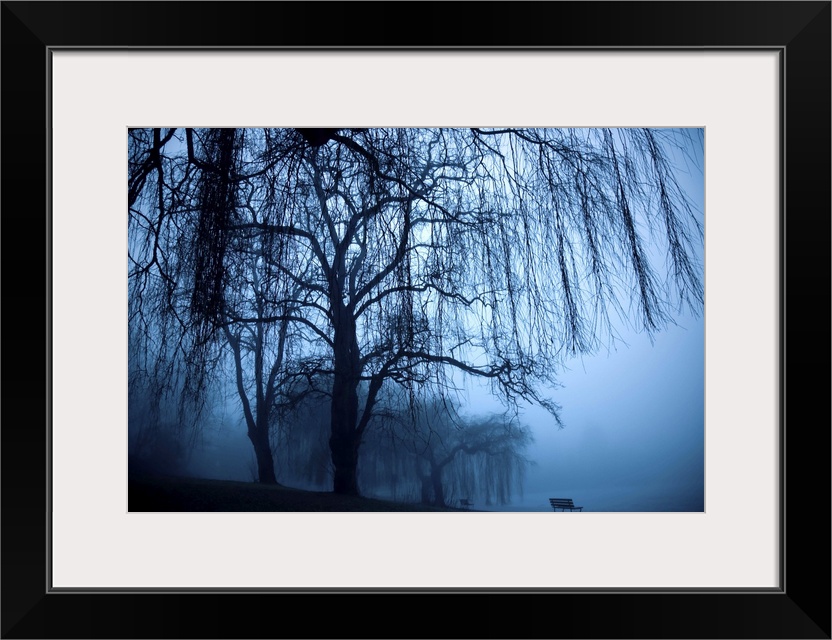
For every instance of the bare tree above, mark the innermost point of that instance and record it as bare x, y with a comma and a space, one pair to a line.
414, 253
198, 293
450, 456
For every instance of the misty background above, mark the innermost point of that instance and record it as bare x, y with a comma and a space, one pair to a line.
632, 416
633, 436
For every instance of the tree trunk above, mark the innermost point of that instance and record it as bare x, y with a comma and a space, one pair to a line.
345, 440
438, 489
263, 451
344, 449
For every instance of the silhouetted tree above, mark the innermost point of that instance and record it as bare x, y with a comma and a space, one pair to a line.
454, 456
413, 253
257, 331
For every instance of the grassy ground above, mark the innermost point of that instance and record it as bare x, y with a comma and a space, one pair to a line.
193, 494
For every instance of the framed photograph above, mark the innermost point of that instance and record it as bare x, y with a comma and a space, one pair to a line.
94, 90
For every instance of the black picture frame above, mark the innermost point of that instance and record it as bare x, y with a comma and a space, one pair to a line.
800, 608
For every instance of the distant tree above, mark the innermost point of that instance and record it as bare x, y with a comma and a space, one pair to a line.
412, 253
302, 438
485, 458
464, 457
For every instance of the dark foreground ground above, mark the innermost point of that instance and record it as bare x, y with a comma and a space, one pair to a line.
192, 494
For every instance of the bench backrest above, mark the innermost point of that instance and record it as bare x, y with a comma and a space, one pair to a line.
562, 502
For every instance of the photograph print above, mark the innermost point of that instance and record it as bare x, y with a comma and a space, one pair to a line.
416, 319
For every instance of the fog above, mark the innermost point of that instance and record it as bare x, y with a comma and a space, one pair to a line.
633, 435
625, 428
632, 440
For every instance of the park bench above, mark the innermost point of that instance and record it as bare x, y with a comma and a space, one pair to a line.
563, 504
465, 503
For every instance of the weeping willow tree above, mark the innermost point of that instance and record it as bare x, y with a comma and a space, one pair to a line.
410, 257
432, 454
